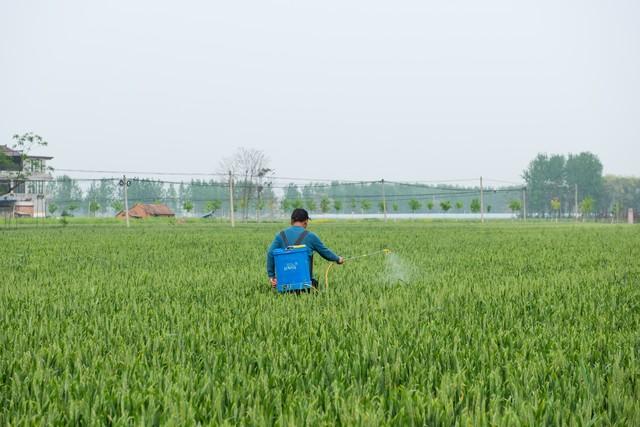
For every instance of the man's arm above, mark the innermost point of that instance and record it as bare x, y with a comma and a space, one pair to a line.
317, 245
271, 267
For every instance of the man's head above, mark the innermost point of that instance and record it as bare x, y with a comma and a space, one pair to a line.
300, 217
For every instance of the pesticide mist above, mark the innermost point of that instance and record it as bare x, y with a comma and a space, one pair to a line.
396, 270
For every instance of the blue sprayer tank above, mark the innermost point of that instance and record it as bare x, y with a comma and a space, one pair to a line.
292, 268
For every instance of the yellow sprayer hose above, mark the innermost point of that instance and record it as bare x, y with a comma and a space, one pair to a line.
326, 276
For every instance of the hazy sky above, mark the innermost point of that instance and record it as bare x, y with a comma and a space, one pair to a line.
361, 89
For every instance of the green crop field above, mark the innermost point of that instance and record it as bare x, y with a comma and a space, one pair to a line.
468, 324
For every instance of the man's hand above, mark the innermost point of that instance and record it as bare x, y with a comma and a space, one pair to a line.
273, 281
340, 260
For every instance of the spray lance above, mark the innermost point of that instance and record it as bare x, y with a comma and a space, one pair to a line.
326, 273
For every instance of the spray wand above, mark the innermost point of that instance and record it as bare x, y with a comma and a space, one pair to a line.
385, 251
326, 273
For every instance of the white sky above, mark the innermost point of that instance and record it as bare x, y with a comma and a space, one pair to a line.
412, 90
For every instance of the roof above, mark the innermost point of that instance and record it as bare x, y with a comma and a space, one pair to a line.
15, 153
9, 151
157, 209
149, 209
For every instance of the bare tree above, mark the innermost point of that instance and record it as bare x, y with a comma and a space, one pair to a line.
250, 169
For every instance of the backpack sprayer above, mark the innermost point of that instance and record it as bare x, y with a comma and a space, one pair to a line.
293, 265
293, 268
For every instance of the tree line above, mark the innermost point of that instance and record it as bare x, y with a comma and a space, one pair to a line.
197, 197
563, 185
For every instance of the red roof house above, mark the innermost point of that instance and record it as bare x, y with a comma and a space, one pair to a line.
140, 210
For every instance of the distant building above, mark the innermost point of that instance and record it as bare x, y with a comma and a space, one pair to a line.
23, 183
144, 211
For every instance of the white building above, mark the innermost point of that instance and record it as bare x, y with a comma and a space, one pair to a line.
23, 183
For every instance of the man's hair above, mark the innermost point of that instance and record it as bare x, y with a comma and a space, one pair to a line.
299, 215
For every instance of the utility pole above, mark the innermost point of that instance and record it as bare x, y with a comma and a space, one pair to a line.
124, 184
258, 206
384, 201
524, 203
233, 220
576, 201
481, 202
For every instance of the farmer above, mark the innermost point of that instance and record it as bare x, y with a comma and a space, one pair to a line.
298, 235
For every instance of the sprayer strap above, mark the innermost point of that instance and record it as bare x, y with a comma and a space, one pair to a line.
301, 238
284, 239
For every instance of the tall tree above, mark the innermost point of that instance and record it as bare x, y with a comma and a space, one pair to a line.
556, 206
584, 170
53, 208
184, 194
213, 206
187, 206
171, 197
101, 192
475, 205
586, 207
65, 191
325, 205
94, 207
414, 205
117, 205
291, 195
145, 191
515, 206
311, 205
625, 191
545, 177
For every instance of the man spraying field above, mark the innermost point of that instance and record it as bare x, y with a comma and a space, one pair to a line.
297, 237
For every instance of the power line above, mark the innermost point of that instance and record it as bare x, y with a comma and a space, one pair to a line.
505, 182
235, 175
221, 184
252, 185
409, 184
279, 178
141, 172
268, 185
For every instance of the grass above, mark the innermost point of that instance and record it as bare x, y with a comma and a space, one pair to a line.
501, 323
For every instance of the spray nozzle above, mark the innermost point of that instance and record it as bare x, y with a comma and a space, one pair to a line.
386, 251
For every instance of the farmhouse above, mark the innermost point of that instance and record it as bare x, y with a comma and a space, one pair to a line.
23, 183
141, 210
